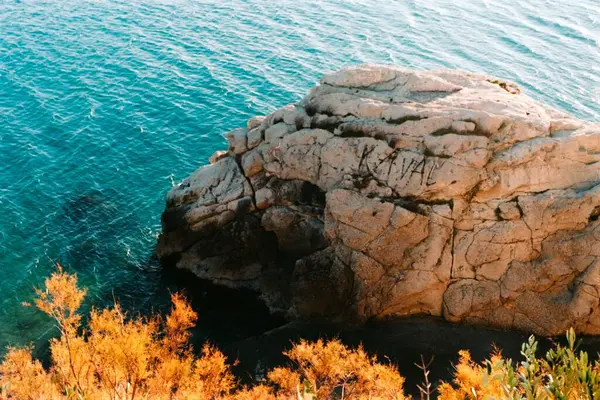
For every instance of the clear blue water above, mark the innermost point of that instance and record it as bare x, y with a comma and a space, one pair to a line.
104, 104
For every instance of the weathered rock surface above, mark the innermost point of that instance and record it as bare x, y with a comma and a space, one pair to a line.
389, 192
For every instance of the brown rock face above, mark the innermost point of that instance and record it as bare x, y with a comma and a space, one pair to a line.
388, 192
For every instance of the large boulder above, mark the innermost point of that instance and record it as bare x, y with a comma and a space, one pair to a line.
387, 192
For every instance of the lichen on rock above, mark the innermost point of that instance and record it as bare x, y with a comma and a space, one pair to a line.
387, 192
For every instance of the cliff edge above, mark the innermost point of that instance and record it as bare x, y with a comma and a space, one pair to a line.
390, 192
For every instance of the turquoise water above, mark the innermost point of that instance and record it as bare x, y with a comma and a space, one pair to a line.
104, 104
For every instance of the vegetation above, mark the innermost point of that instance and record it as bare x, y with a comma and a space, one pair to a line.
563, 373
120, 357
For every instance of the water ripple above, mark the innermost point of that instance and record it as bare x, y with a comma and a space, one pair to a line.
103, 104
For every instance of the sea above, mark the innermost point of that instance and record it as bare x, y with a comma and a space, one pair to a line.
106, 104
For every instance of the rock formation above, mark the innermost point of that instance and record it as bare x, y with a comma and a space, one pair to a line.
387, 192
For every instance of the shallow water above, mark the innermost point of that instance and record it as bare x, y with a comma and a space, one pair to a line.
105, 104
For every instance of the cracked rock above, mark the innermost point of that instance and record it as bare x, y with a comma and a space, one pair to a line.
388, 192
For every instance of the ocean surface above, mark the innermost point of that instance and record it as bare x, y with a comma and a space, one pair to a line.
105, 104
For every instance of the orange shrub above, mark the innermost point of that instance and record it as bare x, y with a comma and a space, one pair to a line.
564, 373
116, 357
330, 370
473, 381
119, 357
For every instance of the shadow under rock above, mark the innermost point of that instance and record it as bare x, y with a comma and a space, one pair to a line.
402, 342
225, 315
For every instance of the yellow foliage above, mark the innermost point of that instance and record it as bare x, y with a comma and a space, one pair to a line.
564, 373
25, 378
61, 299
258, 392
178, 323
473, 381
119, 357
330, 370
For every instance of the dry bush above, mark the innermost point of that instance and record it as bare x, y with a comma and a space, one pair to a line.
331, 370
258, 392
119, 357
472, 380
25, 378
563, 374
116, 357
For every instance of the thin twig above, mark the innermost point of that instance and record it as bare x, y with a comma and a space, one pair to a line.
425, 388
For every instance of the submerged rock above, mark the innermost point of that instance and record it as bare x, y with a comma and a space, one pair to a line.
387, 192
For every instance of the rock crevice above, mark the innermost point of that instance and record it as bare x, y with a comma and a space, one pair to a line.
387, 192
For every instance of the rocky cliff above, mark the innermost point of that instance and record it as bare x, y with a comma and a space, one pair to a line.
389, 192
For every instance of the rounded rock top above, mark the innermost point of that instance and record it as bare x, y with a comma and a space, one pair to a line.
388, 192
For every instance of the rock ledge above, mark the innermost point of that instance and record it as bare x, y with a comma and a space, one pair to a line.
390, 192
